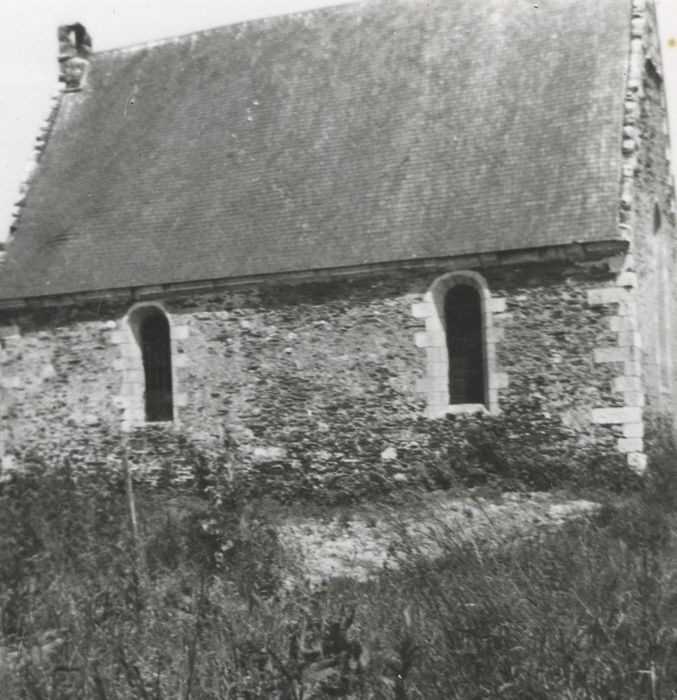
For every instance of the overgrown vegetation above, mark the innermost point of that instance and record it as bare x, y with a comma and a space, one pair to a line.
200, 601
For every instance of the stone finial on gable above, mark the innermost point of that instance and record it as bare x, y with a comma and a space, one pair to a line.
75, 46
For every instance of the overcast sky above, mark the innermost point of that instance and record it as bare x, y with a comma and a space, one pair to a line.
28, 55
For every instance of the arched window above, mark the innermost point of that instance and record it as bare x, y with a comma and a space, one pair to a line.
151, 329
150, 345
157, 366
465, 345
460, 345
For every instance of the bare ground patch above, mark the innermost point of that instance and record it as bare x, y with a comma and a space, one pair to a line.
357, 543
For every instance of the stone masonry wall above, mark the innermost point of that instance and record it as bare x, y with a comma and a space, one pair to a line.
648, 213
320, 381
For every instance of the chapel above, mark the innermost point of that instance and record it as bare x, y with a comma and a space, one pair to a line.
317, 238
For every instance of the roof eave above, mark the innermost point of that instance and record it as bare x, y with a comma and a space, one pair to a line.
575, 252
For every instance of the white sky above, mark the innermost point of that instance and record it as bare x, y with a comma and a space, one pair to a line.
28, 56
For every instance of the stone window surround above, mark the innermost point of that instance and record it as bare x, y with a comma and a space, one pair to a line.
435, 385
130, 365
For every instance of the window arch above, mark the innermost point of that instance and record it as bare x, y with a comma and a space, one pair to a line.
150, 375
459, 342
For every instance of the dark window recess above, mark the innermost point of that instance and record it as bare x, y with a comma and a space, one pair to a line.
157, 366
463, 319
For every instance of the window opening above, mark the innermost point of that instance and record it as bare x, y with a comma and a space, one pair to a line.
663, 319
465, 346
157, 366
657, 223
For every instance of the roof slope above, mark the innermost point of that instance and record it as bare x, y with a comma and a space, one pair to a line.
382, 131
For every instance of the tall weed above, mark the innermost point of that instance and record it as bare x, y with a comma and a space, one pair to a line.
218, 610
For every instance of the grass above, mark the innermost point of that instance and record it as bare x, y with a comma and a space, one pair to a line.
208, 605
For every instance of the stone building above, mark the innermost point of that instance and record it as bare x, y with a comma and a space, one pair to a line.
315, 237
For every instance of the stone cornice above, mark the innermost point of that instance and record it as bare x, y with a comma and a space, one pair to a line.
573, 252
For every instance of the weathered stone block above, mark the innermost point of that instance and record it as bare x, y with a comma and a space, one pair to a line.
622, 323
638, 462
422, 310
495, 335
627, 279
434, 411
498, 305
438, 372
492, 400
633, 367
629, 339
633, 398
421, 339
438, 397
611, 355
608, 416
498, 380
120, 402
466, 408
437, 339
135, 415
389, 454
437, 355
627, 384
633, 430
607, 295
434, 323
628, 307
423, 385
619, 262
626, 445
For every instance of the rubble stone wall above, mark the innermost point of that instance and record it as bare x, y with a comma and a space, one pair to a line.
318, 377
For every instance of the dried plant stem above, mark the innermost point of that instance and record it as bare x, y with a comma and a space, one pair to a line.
141, 569
129, 486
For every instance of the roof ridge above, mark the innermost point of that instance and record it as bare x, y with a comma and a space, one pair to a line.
180, 38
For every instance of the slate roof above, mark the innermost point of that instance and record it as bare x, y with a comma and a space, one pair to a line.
382, 131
